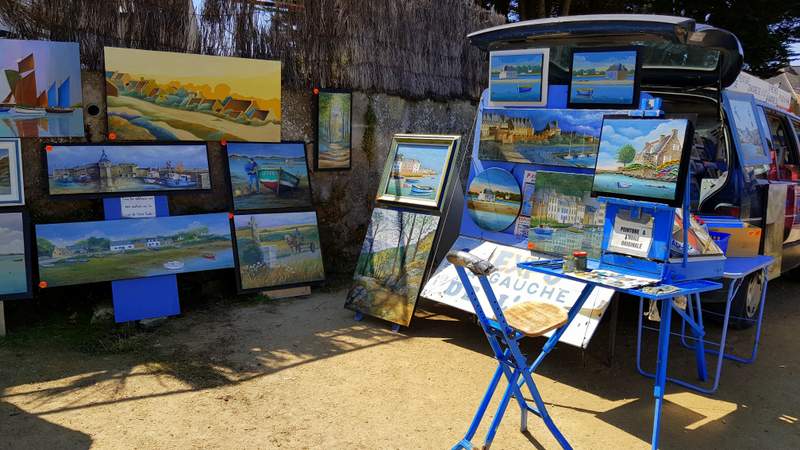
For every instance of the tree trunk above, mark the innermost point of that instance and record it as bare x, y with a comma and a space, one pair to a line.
565, 6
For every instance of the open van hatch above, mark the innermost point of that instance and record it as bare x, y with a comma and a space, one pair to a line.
676, 51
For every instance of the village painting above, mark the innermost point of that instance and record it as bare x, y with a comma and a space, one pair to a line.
40, 92
603, 78
392, 264
417, 171
180, 96
749, 138
564, 215
640, 158
334, 141
11, 186
109, 169
518, 77
14, 276
268, 176
494, 199
556, 137
90, 252
278, 249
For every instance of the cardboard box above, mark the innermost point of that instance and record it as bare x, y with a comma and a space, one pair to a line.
743, 242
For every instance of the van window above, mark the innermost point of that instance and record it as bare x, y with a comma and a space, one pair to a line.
783, 145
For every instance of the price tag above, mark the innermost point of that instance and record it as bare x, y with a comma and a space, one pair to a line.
632, 237
137, 207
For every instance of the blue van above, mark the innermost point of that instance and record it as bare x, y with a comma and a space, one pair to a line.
741, 146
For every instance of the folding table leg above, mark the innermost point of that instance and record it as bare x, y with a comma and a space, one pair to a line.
661, 367
700, 350
487, 397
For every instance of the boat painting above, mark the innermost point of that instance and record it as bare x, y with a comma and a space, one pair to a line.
334, 135
12, 192
494, 199
518, 77
604, 79
276, 179
40, 92
14, 268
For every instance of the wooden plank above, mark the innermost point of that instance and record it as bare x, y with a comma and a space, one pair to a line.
288, 293
2, 320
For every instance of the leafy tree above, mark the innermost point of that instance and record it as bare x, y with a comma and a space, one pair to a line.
625, 154
249, 252
44, 247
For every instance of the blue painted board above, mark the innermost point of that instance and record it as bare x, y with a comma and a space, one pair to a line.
145, 298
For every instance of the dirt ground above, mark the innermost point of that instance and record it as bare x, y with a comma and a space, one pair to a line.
302, 373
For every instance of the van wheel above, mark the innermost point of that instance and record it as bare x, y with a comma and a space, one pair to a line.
747, 301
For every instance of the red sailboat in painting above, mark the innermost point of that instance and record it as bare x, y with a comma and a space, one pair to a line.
23, 101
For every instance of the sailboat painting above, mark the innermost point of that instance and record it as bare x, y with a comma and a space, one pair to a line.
40, 89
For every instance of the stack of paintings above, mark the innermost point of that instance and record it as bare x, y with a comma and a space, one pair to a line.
334, 141
15, 273
12, 191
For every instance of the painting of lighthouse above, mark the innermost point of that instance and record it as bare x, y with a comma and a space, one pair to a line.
40, 90
333, 142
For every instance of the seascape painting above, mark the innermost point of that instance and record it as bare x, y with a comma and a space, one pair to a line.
75, 169
640, 158
14, 276
12, 191
747, 134
494, 199
556, 137
518, 77
90, 252
40, 92
268, 176
278, 249
180, 96
564, 215
605, 78
334, 141
392, 264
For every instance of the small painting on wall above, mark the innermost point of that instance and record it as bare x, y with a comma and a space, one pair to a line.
333, 145
12, 190
15, 266
494, 199
518, 77
604, 78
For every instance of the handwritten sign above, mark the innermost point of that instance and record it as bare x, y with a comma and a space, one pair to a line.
630, 236
137, 207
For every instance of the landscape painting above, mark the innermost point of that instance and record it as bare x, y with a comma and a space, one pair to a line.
83, 169
334, 141
12, 191
494, 199
14, 268
556, 137
392, 264
417, 168
747, 134
642, 159
518, 77
90, 252
180, 96
278, 249
564, 215
268, 176
603, 78
40, 92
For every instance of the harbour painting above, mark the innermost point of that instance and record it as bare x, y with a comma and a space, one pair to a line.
14, 274
40, 92
278, 249
334, 141
555, 137
392, 264
268, 176
642, 159
417, 168
494, 199
603, 78
12, 191
518, 77
179, 96
81, 169
91, 252
564, 215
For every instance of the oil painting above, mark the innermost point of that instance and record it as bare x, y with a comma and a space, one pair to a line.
267, 176
494, 199
91, 252
14, 264
604, 78
40, 92
12, 190
748, 137
86, 169
518, 77
392, 264
179, 96
334, 141
417, 169
643, 159
277, 249
564, 215
555, 137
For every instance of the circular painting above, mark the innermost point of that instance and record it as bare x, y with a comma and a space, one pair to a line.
494, 199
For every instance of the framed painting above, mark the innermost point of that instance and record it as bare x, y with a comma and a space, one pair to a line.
12, 186
268, 176
169, 96
126, 169
277, 250
643, 159
15, 256
494, 199
92, 252
417, 169
605, 78
40, 93
740, 109
518, 77
392, 264
333, 141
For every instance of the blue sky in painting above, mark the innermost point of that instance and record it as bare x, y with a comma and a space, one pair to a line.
277, 219
55, 61
257, 149
12, 239
431, 156
496, 180
601, 60
618, 132
62, 234
586, 122
191, 156
533, 59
